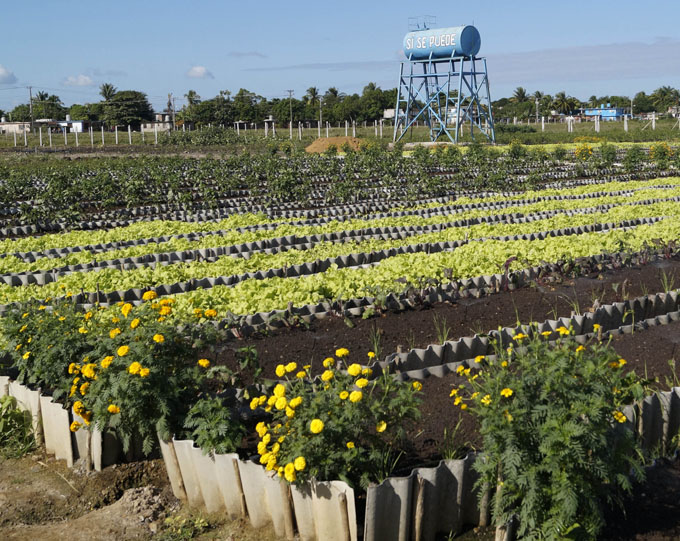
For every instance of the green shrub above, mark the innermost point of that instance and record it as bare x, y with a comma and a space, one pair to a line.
16, 435
214, 427
607, 154
634, 159
554, 441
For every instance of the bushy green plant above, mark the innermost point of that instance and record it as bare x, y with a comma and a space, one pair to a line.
342, 426
554, 440
16, 434
633, 159
214, 427
43, 339
559, 153
516, 150
142, 375
607, 154
661, 154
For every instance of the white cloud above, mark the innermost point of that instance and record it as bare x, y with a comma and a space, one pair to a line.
199, 72
6, 76
78, 80
245, 54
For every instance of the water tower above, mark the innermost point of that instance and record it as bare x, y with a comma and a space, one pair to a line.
443, 84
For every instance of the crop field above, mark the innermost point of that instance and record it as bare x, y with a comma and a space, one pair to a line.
355, 317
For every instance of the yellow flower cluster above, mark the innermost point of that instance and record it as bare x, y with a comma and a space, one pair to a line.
203, 363
136, 368
620, 417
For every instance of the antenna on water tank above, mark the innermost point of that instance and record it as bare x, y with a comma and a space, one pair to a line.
421, 22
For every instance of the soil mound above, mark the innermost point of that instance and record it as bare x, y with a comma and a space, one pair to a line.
321, 144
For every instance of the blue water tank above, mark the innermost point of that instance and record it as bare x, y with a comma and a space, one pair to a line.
442, 42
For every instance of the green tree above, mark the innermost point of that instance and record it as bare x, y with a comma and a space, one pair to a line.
665, 97
21, 113
128, 107
642, 103
520, 95
107, 91
48, 106
564, 104
88, 111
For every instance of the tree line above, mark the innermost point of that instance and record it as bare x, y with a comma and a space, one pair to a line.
123, 107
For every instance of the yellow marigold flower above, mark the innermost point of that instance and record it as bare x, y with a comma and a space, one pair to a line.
546, 333
88, 316
486, 400
18, 347
73, 368
262, 399
341, 352
620, 417
144, 372
460, 369
23, 328
203, 363
126, 309
290, 412
26, 355
295, 402
134, 323
289, 472
281, 403
580, 349
562, 330
343, 395
115, 319
279, 390
266, 438
301, 374
355, 396
457, 400
254, 403
210, 313
371, 355
597, 327
300, 463
78, 407
84, 387
350, 445
89, 370
361, 383
276, 448
265, 458
82, 330
134, 368
165, 311
367, 372
158, 338
272, 400
261, 448
417, 386
622, 362
316, 426
291, 367
474, 395
507, 392
261, 428
75, 426
122, 351
327, 375
280, 370
508, 416
381, 426
24, 315
354, 369
198, 312
113, 409
74, 388
166, 302
453, 392
149, 295
114, 332
62, 318
106, 361
463, 406
519, 336
466, 372
328, 362
504, 364
479, 358
271, 463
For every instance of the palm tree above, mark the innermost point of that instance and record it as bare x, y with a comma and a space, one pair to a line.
192, 97
562, 103
665, 97
107, 91
41, 96
538, 95
592, 101
520, 95
312, 96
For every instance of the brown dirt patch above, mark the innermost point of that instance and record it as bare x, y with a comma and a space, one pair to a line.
322, 144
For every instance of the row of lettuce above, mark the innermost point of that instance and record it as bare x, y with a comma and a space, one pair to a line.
228, 230
541, 407
65, 190
391, 275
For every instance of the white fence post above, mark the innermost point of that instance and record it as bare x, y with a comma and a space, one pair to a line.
116, 134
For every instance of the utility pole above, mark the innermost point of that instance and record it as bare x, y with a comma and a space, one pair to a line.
173, 112
631, 108
537, 110
30, 104
290, 102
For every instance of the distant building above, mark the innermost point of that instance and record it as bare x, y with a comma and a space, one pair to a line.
162, 122
605, 113
14, 127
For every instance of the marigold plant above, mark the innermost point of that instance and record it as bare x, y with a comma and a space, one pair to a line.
555, 444
342, 425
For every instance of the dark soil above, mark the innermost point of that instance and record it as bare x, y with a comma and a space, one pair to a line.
416, 328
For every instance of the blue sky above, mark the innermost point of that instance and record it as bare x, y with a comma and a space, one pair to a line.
70, 47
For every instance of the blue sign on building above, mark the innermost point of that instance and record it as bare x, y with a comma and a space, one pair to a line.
605, 113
